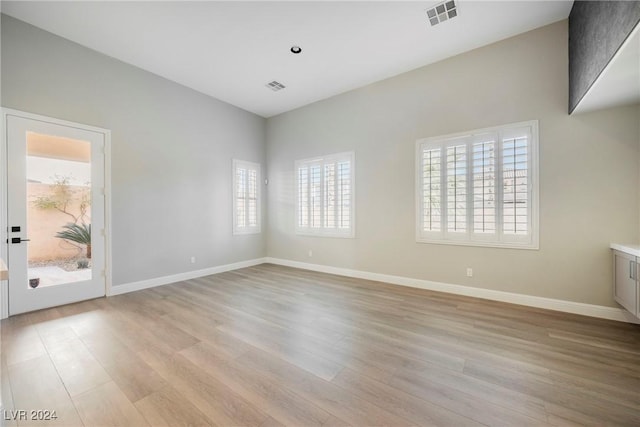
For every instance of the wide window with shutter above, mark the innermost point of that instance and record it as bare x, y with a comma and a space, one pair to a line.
246, 197
479, 187
324, 203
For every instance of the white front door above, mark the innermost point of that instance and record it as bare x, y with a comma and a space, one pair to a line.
55, 213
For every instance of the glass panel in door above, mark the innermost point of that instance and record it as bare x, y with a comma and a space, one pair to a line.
58, 210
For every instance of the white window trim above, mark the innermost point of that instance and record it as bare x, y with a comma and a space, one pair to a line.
249, 166
468, 239
321, 231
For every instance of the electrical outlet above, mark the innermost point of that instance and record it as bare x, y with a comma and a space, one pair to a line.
469, 272
310, 253
193, 260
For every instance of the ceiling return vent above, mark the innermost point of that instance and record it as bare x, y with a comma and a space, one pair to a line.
441, 12
275, 86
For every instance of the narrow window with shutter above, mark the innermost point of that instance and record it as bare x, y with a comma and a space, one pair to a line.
315, 196
515, 186
330, 210
457, 188
490, 195
324, 202
303, 197
252, 198
241, 199
344, 195
431, 191
246, 195
484, 187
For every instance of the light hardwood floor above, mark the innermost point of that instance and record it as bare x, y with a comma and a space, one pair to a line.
272, 346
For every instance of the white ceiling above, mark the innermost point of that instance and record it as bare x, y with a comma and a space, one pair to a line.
619, 82
230, 50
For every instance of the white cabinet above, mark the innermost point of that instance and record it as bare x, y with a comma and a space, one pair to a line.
625, 280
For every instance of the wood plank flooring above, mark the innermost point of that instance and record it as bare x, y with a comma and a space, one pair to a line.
273, 346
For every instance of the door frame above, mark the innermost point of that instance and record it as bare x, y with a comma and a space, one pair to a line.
4, 247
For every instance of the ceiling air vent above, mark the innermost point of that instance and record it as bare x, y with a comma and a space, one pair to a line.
441, 12
275, 86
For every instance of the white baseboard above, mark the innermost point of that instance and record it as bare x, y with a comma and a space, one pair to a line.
165, 280
591, 310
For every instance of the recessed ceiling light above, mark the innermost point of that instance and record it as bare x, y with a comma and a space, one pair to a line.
296, 49
442, 12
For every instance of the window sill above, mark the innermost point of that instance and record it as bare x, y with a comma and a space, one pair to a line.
349, 235
245, 232
525, 246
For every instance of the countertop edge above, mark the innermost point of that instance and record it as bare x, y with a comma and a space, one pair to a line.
631, 249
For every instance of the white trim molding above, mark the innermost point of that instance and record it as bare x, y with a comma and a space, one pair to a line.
591, 310
188, 275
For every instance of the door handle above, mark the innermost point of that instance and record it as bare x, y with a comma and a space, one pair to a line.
631, 270
19, 240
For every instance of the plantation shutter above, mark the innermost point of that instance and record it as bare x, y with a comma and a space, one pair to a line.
488, 192
303, 197
456, 169
324, 195
484, 185
241, 197
516, 184
246, 195
343, 192
252, 198
431, 189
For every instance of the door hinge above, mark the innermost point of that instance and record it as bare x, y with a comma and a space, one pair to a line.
103, 273
103, 232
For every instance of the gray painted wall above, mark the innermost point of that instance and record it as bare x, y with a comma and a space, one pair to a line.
589, 166
597, 29
171, 150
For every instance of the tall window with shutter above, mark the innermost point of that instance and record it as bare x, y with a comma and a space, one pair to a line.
246, 197
325, 196
479, 188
